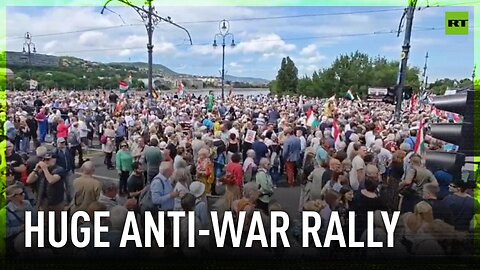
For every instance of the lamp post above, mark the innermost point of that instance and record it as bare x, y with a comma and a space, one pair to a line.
150, 18
224, 27
28, 49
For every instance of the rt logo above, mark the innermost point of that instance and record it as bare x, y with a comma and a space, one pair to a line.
456, 23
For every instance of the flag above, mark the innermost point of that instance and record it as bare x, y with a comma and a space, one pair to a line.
359, 98
180, 91
310, 117
350, 95
123, 86
155, 95
336, 133
413, 101
420, 142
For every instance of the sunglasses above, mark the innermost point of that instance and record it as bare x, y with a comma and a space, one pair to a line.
124, 145
453, 186
21, 193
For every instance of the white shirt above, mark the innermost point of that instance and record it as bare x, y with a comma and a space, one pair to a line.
357, 164
369, 139
129, 120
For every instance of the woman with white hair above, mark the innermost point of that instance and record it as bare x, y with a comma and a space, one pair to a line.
181, 178
108, 144
205, 172
249, 166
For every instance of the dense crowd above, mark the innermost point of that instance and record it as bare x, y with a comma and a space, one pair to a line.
201, 154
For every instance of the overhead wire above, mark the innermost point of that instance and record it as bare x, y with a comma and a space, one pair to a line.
268, 40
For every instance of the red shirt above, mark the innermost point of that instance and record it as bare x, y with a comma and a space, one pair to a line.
62, 131
236, 170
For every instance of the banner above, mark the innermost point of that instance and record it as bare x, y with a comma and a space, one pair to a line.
33, 84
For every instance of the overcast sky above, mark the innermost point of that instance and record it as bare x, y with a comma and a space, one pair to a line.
312, 42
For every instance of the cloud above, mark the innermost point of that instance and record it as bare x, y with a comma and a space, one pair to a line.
91, 38
235, 65
164, 48
50, 46
265, 44
309, 50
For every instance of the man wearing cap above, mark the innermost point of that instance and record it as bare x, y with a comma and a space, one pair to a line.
65, 160
51, 179
15, 212
14, 161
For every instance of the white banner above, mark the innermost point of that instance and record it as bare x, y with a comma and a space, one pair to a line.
33, 84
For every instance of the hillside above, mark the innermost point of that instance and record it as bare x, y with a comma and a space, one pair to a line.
18, 62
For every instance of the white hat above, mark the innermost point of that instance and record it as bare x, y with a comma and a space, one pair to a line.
197, 189
162, 145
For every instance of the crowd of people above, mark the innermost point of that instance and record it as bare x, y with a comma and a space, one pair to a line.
203, 153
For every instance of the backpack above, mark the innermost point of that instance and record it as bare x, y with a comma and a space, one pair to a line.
145, 199
72, 138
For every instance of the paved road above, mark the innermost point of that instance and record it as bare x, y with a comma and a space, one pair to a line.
287, 197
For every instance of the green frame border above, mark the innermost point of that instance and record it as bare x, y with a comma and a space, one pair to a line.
399, 3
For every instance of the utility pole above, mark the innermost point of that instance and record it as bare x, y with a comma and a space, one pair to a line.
28, 48
404, 57
150, 48
473, 76
424, 75
150, 18
224, 28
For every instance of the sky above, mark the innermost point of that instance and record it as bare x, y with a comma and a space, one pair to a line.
311, 40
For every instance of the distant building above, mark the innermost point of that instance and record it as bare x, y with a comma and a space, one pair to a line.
10, 74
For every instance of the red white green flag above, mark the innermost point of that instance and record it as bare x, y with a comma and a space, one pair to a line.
123, 86
420, 142
336, 133
180, 91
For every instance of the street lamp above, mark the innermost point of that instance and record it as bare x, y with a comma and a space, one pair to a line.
224, 27
28, 49
150, 18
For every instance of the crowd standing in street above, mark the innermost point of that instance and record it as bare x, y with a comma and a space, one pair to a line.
176, 154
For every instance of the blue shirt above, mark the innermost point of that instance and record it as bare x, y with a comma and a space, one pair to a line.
291, 149
161, 188
411, 141
261, 150
208, 123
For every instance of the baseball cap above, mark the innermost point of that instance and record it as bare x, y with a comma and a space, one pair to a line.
60, 140
50, 155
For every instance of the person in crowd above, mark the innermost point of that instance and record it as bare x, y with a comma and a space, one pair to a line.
136, 181
86, 188
264, 181
439, 207
123, 163
66, 161
291, 155
235, 169
197, 189
108, 145
15, 212
182, 178
51, 179
461, 204
153, 158
163, 194
204, 169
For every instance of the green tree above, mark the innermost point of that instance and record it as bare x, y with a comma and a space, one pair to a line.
287, 77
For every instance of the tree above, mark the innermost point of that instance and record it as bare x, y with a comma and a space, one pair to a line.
357, 72
287, 77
